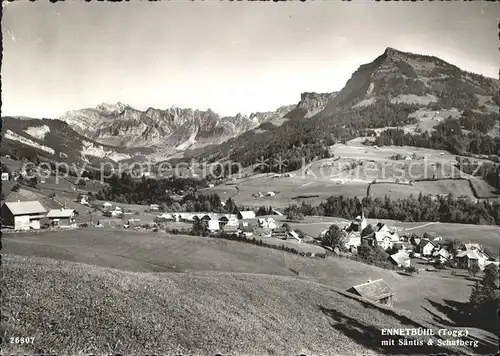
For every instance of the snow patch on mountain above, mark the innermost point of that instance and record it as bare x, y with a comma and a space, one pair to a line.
16, 137
89, 149
38, 132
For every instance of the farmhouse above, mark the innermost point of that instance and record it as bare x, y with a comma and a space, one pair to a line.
426, 247
442, 254
246, 215
400, 259
24, 215
470, 257
62, 217
377, 291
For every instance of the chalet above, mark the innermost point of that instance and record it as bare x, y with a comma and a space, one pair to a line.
5, 176
62, 217
400, 259
426, 247
467, 258
154, 207
377, 291
246, 215
442, 254
24, 215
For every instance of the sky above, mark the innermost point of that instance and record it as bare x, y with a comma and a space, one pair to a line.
231, 57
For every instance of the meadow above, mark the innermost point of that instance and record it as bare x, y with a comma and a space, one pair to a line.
72, 308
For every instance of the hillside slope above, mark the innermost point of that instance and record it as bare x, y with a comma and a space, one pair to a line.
73, 308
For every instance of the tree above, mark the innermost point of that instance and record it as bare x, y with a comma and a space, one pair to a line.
293, 212
474, 269
335, 238
16, 187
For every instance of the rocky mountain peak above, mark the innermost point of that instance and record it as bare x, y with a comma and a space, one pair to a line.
117, 108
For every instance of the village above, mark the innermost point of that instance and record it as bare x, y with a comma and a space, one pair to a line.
404, 251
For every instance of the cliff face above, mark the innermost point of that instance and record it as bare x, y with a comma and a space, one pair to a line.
176, 128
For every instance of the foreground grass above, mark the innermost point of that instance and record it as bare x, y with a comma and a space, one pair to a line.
73, 308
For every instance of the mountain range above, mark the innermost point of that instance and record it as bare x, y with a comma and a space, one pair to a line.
119, 132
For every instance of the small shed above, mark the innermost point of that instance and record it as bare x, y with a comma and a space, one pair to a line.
377, 291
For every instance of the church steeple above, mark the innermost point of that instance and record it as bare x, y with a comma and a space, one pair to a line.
363, 222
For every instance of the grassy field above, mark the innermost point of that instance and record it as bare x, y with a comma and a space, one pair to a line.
73, 308
239, 273
293, 190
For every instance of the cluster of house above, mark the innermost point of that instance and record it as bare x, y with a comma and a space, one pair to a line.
31, 215
266, 194
428, 248
244, 223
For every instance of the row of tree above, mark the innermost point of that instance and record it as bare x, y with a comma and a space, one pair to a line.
411, 209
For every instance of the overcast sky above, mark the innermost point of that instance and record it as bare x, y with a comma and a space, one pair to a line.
230, 57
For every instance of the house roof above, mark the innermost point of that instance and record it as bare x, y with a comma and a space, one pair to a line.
60, 213
471, 254
424, 242
247, 214
400, 257
472, 246
25, 207
374, 290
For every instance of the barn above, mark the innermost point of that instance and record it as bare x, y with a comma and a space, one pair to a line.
62, 217
23, 215
377, 291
